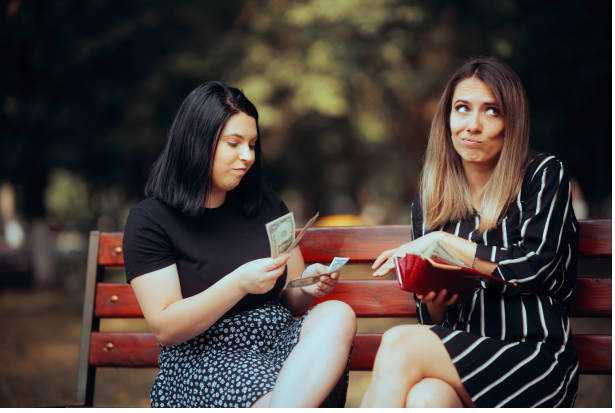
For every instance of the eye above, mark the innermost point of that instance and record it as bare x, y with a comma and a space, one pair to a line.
232, 144
462, 108
492, 111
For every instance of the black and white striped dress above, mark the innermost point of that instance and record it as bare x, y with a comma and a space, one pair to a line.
511, 345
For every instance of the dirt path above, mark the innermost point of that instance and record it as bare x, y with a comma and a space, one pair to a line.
39, 357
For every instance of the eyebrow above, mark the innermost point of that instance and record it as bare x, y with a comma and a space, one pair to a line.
489, 102
239, 135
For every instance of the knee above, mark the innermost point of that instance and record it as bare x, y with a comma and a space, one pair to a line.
432, 393
401, 345
400, 337
339, 316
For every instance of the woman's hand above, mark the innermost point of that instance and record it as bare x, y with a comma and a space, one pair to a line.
386, 260
259, 276
326, 283
437, 303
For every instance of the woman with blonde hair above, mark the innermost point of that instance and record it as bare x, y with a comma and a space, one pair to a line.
504, 211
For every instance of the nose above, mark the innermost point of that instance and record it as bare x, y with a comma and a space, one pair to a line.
474, 123
246, 154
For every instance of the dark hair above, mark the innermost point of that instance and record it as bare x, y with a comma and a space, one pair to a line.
181, 176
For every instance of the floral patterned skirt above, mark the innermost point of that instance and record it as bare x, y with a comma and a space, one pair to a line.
233, 363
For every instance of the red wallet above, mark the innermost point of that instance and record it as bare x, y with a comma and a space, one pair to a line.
422, 275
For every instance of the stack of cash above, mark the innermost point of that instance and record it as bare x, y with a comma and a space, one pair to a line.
281, 234
436, 250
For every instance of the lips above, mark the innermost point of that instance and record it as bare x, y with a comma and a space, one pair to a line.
240, 171
470, 143
471, 140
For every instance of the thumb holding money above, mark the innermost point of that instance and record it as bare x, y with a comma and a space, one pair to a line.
259, 276
325, 285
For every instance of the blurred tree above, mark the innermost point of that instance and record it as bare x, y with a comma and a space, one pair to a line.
345, 89
355, 82
86, 85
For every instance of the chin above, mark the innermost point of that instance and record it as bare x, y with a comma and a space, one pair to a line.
232, 185
481, 160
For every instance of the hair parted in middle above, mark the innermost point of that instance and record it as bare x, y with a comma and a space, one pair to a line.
182, 175
444, 190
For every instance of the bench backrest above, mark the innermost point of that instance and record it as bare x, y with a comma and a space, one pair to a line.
368, 298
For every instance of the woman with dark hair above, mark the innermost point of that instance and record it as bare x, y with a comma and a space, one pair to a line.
503, 211
197, 257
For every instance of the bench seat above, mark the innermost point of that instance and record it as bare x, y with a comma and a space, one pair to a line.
368, 298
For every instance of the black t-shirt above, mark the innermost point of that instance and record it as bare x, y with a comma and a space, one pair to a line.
205, 249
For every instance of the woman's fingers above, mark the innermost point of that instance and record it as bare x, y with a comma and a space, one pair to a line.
275, 273
381, 258
430, 296
277, 262
441, 297
452, 300
384, 269
329, 281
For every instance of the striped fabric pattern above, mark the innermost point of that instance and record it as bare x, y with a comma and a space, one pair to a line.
511, 345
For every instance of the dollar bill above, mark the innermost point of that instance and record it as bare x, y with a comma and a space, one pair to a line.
336, 264
281, 234
436, 250
310, 222
305, 281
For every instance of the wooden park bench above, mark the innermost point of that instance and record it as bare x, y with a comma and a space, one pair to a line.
368, 298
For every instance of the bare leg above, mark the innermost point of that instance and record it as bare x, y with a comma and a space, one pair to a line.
407, 355
318, 360
433, 393
263, 401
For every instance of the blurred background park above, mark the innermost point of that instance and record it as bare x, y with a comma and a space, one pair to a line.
345, 90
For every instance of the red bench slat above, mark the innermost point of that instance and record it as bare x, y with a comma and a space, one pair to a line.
116, 301
594, 352
364, 244
381, 298
369, 298
141, 350
595, 238
593, 297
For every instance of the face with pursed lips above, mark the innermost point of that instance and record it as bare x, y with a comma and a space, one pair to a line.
476, 123
235, 152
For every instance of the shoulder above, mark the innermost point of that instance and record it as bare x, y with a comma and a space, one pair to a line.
544, 174
147, 245
148, 213
273, 205
541, 163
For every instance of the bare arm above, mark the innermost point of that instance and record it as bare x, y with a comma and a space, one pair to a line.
174, 319
295, 298
466, 250
299, 299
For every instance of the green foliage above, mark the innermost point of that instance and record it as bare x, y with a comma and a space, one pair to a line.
345, 89
67, 197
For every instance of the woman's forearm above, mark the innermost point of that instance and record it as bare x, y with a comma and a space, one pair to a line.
295, 298
466, 250
189, 317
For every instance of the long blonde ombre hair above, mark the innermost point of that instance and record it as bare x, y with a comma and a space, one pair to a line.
444, 190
